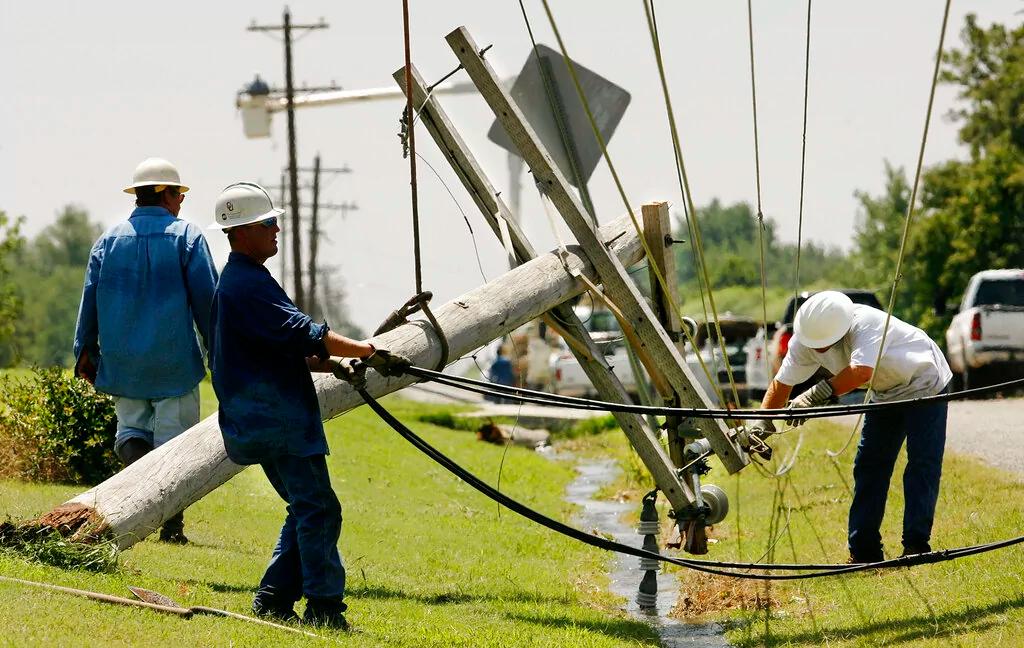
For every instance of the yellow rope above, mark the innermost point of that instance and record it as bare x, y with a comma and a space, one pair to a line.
632, 216
906, 225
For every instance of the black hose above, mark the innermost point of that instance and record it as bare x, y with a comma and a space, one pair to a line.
707, 566
558, 400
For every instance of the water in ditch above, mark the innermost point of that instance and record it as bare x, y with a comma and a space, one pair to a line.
624, 573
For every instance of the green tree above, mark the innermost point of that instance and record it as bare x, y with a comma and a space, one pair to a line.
11, 243
972, 208
878, 231
49, 278
732, 251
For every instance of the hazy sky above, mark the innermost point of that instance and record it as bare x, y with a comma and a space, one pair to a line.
90, 89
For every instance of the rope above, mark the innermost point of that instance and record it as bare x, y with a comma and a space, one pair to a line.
757, 174
409, 116
707, 566
684, 190
656, 38
622, 193
910, 215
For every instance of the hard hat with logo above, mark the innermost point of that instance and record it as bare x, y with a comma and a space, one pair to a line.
243, 203
823, 319
155, 172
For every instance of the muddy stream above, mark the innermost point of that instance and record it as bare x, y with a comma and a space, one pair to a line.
624, 572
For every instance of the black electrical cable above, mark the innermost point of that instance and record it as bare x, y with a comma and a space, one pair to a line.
544, 398
707, 566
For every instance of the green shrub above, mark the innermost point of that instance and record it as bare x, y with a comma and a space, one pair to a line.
55, 427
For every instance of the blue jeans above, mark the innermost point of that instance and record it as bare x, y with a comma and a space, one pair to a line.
924, 429
306, 559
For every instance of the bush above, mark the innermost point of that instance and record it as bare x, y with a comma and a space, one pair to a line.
55, 427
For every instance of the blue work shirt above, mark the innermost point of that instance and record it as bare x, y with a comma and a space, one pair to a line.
148, 287
258, 349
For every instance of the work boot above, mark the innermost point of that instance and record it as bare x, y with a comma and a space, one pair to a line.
132, 450
173, 530
871, 558
273, 609
913, 549
325, 613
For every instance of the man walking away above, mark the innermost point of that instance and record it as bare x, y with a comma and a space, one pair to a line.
148, 287
263, 349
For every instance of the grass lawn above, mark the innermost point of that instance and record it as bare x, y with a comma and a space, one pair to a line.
430, 562
975, 601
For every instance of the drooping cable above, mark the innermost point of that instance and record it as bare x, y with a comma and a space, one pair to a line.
712, 567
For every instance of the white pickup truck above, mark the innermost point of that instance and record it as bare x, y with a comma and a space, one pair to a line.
985, 341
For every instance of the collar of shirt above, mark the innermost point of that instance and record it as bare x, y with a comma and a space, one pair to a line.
151, 210
238, 257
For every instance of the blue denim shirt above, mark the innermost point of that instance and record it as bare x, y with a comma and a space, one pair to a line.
258, 349
148, 287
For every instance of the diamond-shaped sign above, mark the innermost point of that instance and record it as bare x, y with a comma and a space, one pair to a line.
607, 101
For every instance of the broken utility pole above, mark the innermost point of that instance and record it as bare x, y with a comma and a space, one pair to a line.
562, 318
655, 349
136, 501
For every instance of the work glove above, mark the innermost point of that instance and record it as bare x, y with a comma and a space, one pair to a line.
387, 363
761, 427
820, 394
350, 374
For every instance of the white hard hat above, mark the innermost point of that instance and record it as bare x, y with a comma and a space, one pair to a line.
155, 172
243, 203
823, 319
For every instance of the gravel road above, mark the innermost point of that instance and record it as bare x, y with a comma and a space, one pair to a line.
992, 430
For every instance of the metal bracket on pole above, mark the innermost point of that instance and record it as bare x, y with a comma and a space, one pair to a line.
656, 347
562, 318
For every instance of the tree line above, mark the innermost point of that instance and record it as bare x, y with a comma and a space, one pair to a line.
41, 287
969, 214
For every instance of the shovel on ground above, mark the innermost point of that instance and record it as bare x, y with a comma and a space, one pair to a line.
156, 598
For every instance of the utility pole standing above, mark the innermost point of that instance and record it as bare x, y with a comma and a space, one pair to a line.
293, 167
284, 248
314, 237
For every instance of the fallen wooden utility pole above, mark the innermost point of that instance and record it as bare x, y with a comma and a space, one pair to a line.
136, 501
497, 214
654, 347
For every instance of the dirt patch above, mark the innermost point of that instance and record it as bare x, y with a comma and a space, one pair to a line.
702, 594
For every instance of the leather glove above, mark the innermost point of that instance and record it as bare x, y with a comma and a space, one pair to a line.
761, 427
350, 374
820, 394
387, 363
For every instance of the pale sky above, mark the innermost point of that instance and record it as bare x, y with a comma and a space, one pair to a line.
90, 89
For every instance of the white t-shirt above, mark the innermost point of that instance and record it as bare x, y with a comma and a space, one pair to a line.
912, 364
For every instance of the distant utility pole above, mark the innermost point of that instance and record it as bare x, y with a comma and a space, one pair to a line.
314, 231
293, 170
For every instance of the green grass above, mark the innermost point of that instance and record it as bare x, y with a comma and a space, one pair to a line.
430, 562
976, 601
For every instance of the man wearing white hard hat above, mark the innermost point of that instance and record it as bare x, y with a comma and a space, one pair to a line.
263, 350
831, 331
148, 288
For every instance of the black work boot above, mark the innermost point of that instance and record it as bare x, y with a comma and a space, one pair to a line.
132, 450
912, 549
274, 609
173, 530
325, 613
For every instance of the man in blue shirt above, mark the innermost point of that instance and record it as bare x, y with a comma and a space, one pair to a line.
148, 287
262, 351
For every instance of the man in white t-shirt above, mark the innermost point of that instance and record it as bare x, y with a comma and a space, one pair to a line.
831, 331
